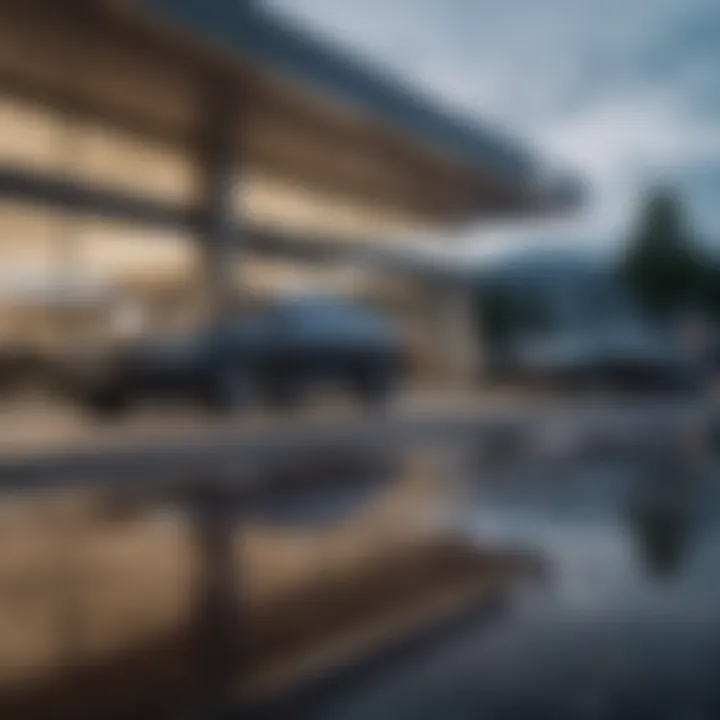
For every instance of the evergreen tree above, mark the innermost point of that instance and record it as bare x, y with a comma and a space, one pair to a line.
662, 266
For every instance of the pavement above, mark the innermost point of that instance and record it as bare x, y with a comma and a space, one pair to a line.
44, 426
43, 446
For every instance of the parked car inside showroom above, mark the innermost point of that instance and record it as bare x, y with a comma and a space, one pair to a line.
279, 356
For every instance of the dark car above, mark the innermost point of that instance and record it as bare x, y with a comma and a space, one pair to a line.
276, 356
624, 357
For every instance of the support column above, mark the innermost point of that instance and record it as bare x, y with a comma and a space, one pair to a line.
216, 622
458, 342
219, 232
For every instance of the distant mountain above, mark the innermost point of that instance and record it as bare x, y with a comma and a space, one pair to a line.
555, 264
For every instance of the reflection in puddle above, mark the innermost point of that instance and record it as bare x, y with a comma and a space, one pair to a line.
663, 534
629, 628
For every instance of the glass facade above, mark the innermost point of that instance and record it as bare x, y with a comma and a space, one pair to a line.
273, 202
60, 260
39, 139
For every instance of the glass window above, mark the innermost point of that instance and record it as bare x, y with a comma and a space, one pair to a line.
37, 138
32, 137
132, 253
107, 157
26, 240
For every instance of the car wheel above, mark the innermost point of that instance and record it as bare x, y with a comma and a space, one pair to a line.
284, 394
227, 389
374, 388
110, 404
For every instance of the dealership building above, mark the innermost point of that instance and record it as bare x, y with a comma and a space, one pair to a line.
162, 157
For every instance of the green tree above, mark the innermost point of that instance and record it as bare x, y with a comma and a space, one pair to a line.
495, 314
663, 267
711, 288
505, 312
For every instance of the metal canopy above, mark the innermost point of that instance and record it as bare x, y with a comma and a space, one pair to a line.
229, 80
481, 171
253, 32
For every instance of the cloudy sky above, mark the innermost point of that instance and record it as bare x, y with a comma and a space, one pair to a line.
626, 91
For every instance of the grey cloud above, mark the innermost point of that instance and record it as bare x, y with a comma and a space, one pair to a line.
624, 89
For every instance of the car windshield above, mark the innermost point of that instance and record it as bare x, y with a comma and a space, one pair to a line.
321, 312
315, 306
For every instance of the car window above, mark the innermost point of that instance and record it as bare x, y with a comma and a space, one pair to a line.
326, 316
334, 321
